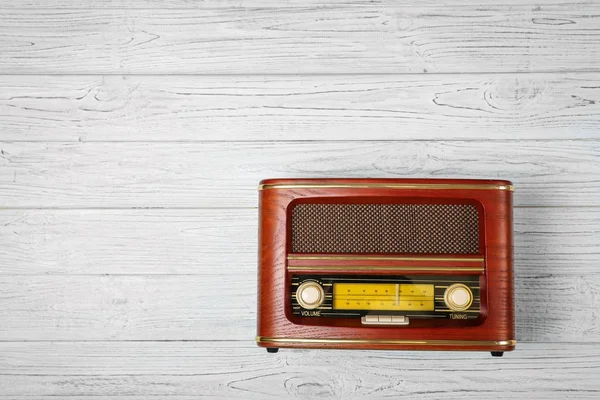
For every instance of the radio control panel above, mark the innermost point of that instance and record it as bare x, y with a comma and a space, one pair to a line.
386, 300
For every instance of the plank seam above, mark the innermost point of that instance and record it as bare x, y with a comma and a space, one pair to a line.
314, 74
214, 208
249, 341
326, 141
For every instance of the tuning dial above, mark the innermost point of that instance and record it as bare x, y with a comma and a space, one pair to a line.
310, 295
458, 297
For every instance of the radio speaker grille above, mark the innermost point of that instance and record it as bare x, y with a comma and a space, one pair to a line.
385, 228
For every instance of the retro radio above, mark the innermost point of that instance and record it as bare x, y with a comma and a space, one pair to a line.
386, 264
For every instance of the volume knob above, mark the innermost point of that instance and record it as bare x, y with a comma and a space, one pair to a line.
310, 295
458, 297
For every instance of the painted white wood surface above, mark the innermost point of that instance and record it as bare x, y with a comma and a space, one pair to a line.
112, 274
133, 134
215, 305
348, 38
191, 370
306, 107
237, 4
225, 174
559, 241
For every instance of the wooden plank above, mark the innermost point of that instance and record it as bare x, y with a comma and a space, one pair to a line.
145, 174
223, 4
129, 242
556, 241
239, 370
222, 306
223, 108
168, 4
313, 39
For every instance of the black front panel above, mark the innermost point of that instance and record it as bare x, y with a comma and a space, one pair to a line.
418, 297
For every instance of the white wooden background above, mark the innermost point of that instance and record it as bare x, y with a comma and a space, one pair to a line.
133, 135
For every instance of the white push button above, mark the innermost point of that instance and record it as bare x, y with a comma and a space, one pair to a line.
384, 320
371, 318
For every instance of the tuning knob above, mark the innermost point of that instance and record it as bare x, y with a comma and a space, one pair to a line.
310, 295
458, 297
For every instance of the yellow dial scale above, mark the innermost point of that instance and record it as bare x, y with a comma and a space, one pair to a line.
383, 296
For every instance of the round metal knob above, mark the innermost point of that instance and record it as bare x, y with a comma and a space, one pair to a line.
458, 297
310, 295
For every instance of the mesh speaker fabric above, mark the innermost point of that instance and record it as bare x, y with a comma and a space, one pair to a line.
385, 228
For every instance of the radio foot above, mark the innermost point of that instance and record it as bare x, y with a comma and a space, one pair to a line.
497, 353
272, 349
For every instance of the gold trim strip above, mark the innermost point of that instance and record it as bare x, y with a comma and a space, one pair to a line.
446, 287
475, 298
386, 268
463, 186
386, 258
262, 339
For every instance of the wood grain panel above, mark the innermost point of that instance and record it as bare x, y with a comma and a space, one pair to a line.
147, 288
274, 321
284, 108
222, 306
557, 241
104, 175
313, 39
239, 370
